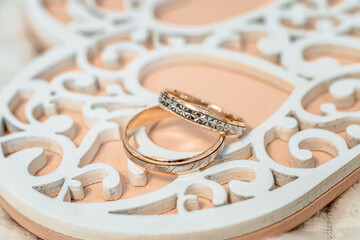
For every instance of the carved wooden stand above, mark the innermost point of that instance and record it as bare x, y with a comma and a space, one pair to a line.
97, 71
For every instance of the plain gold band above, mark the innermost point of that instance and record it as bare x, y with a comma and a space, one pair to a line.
160, 165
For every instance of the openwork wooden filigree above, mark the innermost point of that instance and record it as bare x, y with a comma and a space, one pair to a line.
295, 37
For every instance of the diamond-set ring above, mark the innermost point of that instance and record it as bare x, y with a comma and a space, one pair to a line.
202, 113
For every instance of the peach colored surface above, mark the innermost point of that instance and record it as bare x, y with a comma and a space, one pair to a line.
202, 12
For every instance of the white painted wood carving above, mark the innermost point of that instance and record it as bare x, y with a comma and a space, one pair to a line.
260, 192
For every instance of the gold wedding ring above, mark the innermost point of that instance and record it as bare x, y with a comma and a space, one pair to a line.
201, 113
160, 165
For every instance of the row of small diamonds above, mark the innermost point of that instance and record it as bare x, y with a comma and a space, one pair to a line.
199, 117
